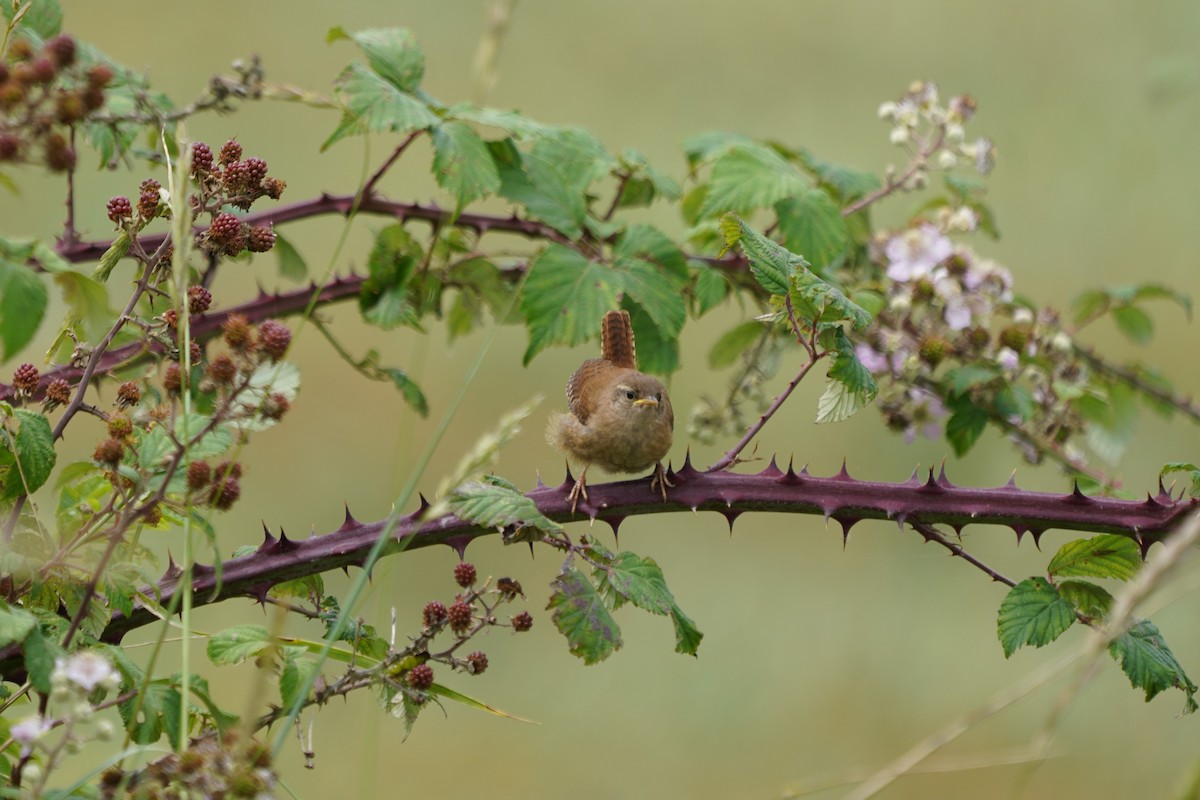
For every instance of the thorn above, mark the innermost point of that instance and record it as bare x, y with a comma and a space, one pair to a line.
804, 471
614, 522
424, 505
1163, 494
1143, 543
730, 517
771, 470
915, 478
459, 545
259, 592
932, 485
1151, 502
350, 521
530, 550
942, 480
173, 569
790, 478
285, 544
687, 470
1012, 481
346, 569
847, 522
843, 474
538, 474
1037, 537
1020, 531
1078, 497
268, 543
901, 519
569, 481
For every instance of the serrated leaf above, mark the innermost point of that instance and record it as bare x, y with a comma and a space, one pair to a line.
819, 300
565, 297
734, 342
748, 177
375, 105
26, 456
384, 298
552, 179
849, 183
462, 164
1150, 665
489, 505
644, 183
659, 293
773, 266
812, 225
392, 53
1134, 323
39, 653
638, 580
709, 289
849, 385
961, 380
23, 300
291, 263
112, 256
42, 18
157, 710
293, 677
648, 243
965, 425
512, 122
687, 635
15, 624
234, 645
409, 390
582, 617
656, 353
1105, 556
1087, 597
705, 146
1033, 612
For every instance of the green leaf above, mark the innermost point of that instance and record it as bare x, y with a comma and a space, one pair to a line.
1087, 597
659, 294
1134, 323
656, 352
1105, 556
511, 122
582, 617
409, 390
462, 164
15, 624
392, 53
26, 457
648, 243
965, 425
42, 18
23, 299
819, 300
234, 645
471, 702
384, 296
159, 713
773, 266
291, 263
39, 654
375, 105
705, 146
565, 297
709, 289
293, 677
747, 177
1032, 613
551, 181
849, 183
1150, 664
734, 342
687, 636
643, 182
812, 225
1191, 470
849, 384
492, 505
112, 256
1112, 415
638, 580
961, 380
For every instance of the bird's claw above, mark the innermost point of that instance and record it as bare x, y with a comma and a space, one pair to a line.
661, 480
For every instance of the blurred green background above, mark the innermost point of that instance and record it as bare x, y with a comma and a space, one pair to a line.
819, 662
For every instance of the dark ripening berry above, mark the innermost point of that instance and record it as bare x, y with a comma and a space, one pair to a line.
198, 475
221, 370
464, 574
228, 469
459, 615
119, 208
433, 615
60, 156
236, 177
25, 379
129, 394
172, 378
199, 299
230, 151
61, 49
93, 98
1016, 337
274, 187
69, 108
58, 393
261, 239
274, 338
256, 171
202, 158
477, 663
110, 451
42, 70
119, 426
522, 622
10, 146
170, 317
225, 228
149, 199
99, 76
237, 333
509, 588
420, 677
224, 495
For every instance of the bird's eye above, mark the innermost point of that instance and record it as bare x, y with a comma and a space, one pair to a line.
629, 395
658, 396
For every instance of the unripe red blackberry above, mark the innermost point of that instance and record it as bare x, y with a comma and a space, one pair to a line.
170, 317
69, 108
149, 199
274, 338
420, 677
20, 50
119, 426
202, 158
119, 208
221, 370
464, 574
459, 616
256, 170
128, 394
274, 187
42, 70
225, 228
93, 98
61, 49
25, 380
172, 378
230, 151
10, 144
194, 352
509, 588
60, 156
261, 239
198, 475
236, 177
522, 622
12, 94
933, 349
228, 469
99, 76
152, 515
237, 333
477, 663
275, 406
110, 451
433, 615
225, 494
58, 393
199, 299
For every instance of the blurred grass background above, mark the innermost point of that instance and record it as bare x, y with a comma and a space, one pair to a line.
818, 661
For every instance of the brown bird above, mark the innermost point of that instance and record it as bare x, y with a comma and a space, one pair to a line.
621, 419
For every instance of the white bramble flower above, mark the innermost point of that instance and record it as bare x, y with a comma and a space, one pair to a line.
1061, 342
914, 253
899, 135
946, 159
1022, 316
954, 132
1008, 359
30, 729
87, 669
964, 218
887, 110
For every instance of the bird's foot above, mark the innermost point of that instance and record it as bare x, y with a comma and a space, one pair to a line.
578, 490
660, 480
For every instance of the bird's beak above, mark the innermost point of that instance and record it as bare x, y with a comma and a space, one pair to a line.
645, 401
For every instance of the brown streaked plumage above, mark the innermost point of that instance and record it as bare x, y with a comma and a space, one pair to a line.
621, 419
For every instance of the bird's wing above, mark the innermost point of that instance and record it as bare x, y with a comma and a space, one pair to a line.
581, 400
